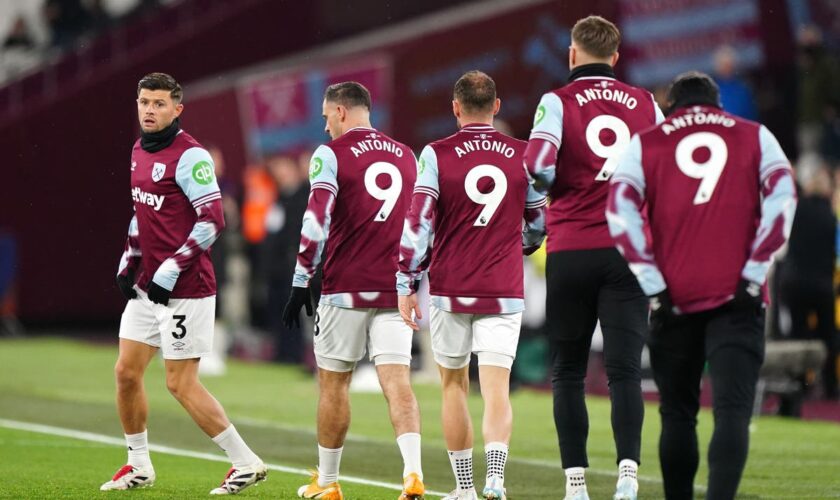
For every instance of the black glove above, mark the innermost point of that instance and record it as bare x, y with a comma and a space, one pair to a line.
661, 310
158, 294
747, 296
415, 285
126, 284
291, 313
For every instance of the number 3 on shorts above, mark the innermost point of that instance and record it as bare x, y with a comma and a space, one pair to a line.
180, 318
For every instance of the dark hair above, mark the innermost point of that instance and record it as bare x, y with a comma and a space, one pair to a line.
475, 91
348, 94
596, 36
161, 81
693, 88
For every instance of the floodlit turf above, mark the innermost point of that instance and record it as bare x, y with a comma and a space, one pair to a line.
70, 385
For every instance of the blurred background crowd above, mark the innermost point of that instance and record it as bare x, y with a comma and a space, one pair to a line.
254, 73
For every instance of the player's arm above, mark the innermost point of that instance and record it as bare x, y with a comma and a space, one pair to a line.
129, 261
323, 173
778, 205
195, 175
658, 115
415, 242
533, 229
546, 135
624, 217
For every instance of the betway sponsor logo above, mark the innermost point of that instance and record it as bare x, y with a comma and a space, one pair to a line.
153, 200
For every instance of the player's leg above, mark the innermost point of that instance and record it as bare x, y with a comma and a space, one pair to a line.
139, 338
452, 348
186, 327
390, 351
339, 343
623, 312
735, 350
495, 338
571, 313
677, 358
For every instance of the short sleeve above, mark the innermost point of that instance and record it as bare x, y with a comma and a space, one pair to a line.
772, 156
548, 120
323, 169
629, 169
427, 173
196, 176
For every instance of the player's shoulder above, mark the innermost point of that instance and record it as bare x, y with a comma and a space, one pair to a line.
185, 141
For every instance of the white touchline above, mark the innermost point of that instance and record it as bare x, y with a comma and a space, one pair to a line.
101, 438
268, 424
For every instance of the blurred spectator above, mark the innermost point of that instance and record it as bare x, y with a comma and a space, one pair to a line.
280, 248
736, 96
67, 19
819, 93
806, 287
19, 52
259, 194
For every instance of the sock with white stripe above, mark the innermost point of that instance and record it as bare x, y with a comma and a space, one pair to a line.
234, 446
329, 460
138, 449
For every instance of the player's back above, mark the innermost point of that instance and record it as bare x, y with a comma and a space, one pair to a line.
599, 115
477, 251
703, 188
374, 176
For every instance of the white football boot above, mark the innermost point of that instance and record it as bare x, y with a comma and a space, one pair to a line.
457, 494
237, 480
130, 477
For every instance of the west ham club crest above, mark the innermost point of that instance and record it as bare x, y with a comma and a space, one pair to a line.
157, 171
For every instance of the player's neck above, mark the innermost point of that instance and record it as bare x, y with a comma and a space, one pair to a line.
357, 124
592, 69
471, 121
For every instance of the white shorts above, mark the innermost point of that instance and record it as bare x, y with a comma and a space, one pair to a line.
182, 330
341, 335
493, 337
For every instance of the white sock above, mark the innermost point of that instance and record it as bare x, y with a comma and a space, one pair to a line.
329, 459
496, 453
234, 446
627, 468
138, 449
575, 479
461, 462
409, 444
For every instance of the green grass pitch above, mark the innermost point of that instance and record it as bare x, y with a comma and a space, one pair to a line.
69, 385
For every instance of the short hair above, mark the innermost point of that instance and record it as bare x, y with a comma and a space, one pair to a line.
475, 91
596, 36
693, 88
161, 81
348, 94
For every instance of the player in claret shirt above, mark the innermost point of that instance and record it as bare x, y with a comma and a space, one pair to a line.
361, 188
579, 132
471, 194
167, 276
721, 199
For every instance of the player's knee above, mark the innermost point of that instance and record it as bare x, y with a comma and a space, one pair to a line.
127, 375
621, 372
177, 384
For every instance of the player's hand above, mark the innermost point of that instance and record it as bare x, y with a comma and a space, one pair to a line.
407, 305
299, 297
126, 284
662, 311
158, 294
747, 296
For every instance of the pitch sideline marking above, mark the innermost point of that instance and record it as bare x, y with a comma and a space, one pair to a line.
267, 424
169, 450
